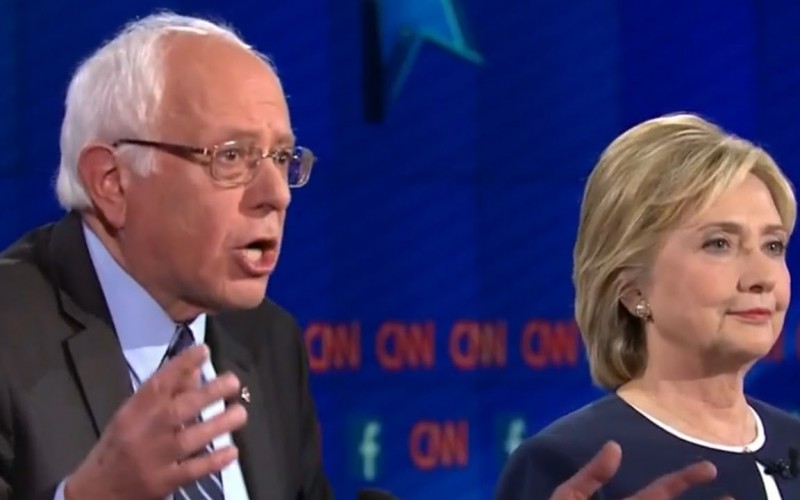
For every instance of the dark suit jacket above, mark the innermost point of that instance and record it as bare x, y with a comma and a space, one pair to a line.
63, 375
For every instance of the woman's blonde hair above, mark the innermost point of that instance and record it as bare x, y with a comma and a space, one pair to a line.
648, 180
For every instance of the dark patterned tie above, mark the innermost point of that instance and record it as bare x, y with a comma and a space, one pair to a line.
209, 487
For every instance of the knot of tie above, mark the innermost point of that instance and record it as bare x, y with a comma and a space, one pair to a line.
183, 340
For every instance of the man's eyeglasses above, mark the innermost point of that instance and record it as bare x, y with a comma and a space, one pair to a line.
234, 163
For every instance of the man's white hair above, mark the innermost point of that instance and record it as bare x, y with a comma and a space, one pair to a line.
115, 93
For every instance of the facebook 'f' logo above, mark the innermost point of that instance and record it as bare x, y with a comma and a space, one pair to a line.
369, 449
515, 434
510, 431
364, 447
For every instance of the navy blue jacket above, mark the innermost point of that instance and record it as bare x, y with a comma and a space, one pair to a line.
552, 456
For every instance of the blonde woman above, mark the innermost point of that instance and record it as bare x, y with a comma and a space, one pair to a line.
681, 286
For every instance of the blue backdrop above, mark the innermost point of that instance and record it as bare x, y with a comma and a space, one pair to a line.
429, 258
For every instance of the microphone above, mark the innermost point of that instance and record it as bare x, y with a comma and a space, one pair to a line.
374, 494
783, 469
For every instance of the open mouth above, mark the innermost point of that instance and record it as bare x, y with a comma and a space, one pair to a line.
256, 249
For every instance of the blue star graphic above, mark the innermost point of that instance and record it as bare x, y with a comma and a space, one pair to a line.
399, 28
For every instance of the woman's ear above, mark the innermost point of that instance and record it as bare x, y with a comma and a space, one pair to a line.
634, 298
631, 293
631, 298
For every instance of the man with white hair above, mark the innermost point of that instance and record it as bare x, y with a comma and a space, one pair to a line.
139, 357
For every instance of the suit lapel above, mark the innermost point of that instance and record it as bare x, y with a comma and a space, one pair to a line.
100, 366
259, 456
95, 351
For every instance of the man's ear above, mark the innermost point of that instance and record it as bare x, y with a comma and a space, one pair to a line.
104, 183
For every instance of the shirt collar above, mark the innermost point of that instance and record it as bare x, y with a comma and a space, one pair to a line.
143, 328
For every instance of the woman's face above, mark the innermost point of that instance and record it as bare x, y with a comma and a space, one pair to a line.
719, 284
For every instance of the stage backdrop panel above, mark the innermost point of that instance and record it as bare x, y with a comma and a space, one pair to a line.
428, 261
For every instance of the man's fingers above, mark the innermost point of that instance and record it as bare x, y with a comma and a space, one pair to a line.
674, 484
201, 466
195, 437
592, 476
180, 372
188, 405
602, 467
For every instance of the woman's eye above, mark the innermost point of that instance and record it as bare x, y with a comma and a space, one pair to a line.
716, 244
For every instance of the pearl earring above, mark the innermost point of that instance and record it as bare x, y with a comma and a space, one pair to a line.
642, 310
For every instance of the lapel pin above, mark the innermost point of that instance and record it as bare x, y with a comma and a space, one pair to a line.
245, 394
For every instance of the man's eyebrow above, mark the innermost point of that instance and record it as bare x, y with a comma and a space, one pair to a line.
285, 139
234, 133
